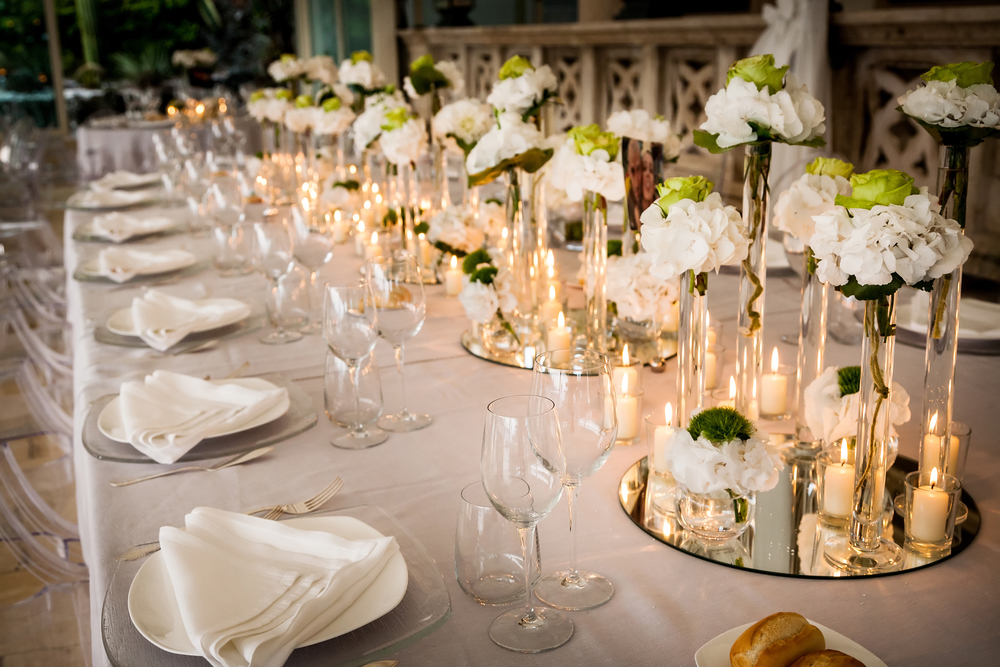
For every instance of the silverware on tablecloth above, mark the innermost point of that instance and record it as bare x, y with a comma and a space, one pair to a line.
235, 374
234, 461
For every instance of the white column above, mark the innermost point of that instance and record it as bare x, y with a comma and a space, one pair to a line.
588, 85
384, 50
303, 31
649, 83
55, 63
588, 11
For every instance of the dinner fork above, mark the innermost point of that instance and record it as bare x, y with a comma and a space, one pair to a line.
234, 461
304, 507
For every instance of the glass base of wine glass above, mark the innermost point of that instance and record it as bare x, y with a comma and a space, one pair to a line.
404, 422
311, 329
550, 630
233, 272
362, 439
887, 557
574, 592
281, 337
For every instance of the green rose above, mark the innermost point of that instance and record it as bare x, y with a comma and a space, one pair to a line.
421, 62
878, 187
331, 104
424, 77
257, 95
288, 58
760, 71
359, 56
515, 67
589, 138
830, 166
303, 101
283, 94
963, 74
395, 118
672, 190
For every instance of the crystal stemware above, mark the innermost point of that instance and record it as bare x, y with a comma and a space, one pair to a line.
313, 249
579, 383
524, 491
223, 206
398, 292
273, 254
350, 329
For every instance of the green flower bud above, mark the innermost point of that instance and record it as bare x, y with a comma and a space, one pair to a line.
331, 104
515, 67
672, 190
303, 101
589, 138
257, 95
288, 57
421, 62
760, 71
878, 187
358, 56
283, 94
395, 118
830, 166
963, 74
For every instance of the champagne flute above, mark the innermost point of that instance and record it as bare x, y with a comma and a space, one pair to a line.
313, 249
398, 293
350, 329
273, 254
579, 383
524, 491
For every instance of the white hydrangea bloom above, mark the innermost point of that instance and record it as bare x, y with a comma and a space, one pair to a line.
520, 93
300, 119
510, 138
947, 104
467, 119
368, 124
403, 145
285, 68
361, 73
576, 174
456, 82
334, 122
740, 466
831, 416
811, 194
479, 301
456, 227
638, 124
637, 293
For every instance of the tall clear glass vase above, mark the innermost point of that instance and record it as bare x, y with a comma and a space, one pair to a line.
524, 243
441, 175
863, 550
812, 348
692, 339
942, 331
753, 272
595, 266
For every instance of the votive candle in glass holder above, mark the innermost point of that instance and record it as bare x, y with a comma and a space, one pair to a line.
777, 391
930, 453
836, 485
660, 484
725, 397
715, 359
629, 409
929, 520
626, 366
713, 333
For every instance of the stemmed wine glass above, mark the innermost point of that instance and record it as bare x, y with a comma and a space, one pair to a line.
579, 383
223, 206
398, 292
524, 491
273, 254
313, 249
350, 329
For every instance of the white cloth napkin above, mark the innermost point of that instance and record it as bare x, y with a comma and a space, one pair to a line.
109, 198
167, 414
125, 179
162, 320
124, 264
120, 227
250, 590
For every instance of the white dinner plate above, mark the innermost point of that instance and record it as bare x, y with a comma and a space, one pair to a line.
978, 320
168, 225
120, 322
136, 182
155, 613
92, 268
110, 420
716, 652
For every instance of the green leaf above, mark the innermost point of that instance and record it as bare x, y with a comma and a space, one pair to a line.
709, 141
390, 218
849, 380
494, 200
720, 425
474, 259
964, 74
421, 228
530, 161
614, 247
347, 185
870, 292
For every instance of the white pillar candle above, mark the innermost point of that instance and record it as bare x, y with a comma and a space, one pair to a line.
373, 249
628, 416
710, 335
626, 372
710, 370
551, 308
426, 253
558, 338
453, 278
774, 390
929, 513
339, 232
672, 318
932, 454
838, 486
360, 240
661, 436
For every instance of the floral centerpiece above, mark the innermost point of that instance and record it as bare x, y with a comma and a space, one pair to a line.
403, 139
454, 231
427, 77
960, 108
720, 461
288, 67
523, 89
361, 75
270, 104
761, 104
489, 300
368, 124
635, 292
458, 127
833, 400
336, 114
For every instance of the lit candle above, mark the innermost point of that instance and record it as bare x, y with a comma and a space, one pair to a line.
359, 240
929, 513
711, 368
426, 252
558, 340
628, 412
672, 318
661, 436
529, 356
339, 231
710, 332
552, 307
838, 486
931, 454
626, 370
774, 390
453, 278
373, 249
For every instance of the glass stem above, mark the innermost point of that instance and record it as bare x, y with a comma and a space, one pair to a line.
527, 535
354, 369
315, 317
402, 380
278, 323
572, 495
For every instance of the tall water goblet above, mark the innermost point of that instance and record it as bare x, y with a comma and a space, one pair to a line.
350, 329
398, 292
579, 383
524, 491
273, 254
313, 249
223, 206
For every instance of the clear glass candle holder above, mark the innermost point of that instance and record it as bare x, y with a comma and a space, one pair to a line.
715, 361
722, 398
930, 452
629, 407
777, 394
719, 515
660, 484
630, 373
929, 520
835, 478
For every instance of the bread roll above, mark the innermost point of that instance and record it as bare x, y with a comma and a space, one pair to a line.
777, 641
827, 658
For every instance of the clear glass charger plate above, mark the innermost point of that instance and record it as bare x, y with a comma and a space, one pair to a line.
193, 340
424, 608
300, 417
144, 278
85, 234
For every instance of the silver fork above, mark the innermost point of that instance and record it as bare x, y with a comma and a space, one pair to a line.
306, 506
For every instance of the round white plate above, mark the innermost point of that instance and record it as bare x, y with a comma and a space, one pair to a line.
978, 320
92, 268
110, 420
120, 322
153, 607
716, 652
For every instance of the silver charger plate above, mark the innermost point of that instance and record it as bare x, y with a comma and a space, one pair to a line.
300, 417
193, 340
425, 607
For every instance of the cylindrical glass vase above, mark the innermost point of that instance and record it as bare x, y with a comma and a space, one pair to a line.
812, 348
441, 176
691, 345
525, 241
753, 272
595, 267
643, 165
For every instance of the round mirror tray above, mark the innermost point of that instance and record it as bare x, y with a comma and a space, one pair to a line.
785, 537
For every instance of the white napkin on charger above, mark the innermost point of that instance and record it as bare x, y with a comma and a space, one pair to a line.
109, 198
119, 227
124, 264
251, 590
162, 320
166, 414
125, 179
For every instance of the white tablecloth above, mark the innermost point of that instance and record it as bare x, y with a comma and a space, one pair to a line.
666, 603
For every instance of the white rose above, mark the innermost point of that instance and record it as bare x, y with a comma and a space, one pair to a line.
480, 301
362, 73
466, 119
638, 124
321, 68
334, 122
511, 138
301, 119
832, 417
811, 194
518, 94
284, 69
404, 144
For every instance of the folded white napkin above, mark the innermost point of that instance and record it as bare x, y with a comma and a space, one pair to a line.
250, 590
167, 414
124, 264
109, 198
124, 179
162, 320
120, 227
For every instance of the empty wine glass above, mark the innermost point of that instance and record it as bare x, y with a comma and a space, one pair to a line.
524, 491
579, 383
223, 206
350, 329
398, 293
313, 249
273, 254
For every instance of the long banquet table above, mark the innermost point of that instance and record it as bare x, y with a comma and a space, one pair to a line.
666, 603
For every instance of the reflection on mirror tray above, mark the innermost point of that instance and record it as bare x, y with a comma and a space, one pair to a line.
785, 537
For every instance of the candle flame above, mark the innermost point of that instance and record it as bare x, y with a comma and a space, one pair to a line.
378, 199
625, 385
668, 413
552, 292
934, 477
200, 108
561, 320
503, 233
774, 361
933, 422
374, 238
421, 236
550, 260
336, 216
843, 451
732, 388
454, 262
361, 226
354, 169
374, 188
625, 355
368, 204
357, 218
552, 272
